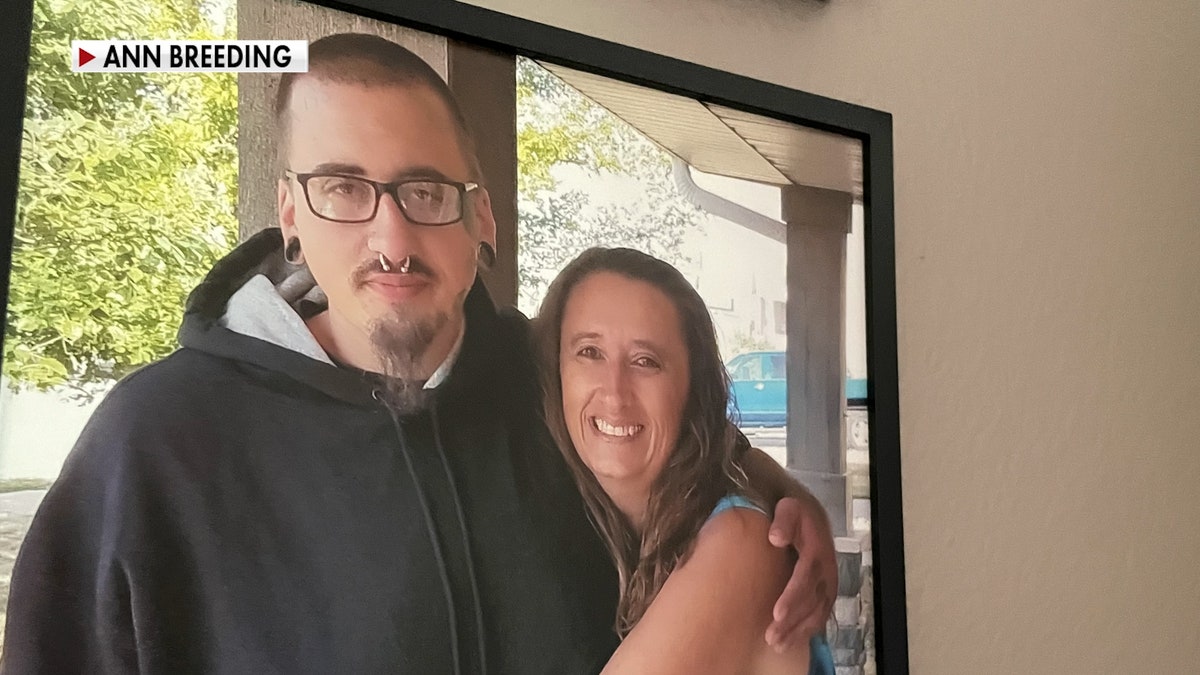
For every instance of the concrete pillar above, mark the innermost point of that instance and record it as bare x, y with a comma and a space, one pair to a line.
818, 223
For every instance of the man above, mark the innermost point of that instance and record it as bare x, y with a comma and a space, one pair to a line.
346, 477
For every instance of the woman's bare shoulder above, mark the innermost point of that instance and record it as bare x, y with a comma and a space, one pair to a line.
734, 549
739, 528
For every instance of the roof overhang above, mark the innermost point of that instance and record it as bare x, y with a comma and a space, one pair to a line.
719, 140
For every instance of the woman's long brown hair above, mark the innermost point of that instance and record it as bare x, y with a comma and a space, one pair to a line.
702, 468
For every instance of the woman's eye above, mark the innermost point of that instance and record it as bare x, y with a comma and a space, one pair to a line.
589, 353
645, 362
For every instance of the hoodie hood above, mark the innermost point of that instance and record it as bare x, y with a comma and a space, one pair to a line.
253, 304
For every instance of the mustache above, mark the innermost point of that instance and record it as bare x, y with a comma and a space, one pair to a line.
371, 267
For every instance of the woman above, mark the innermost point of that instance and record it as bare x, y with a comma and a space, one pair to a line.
635, 395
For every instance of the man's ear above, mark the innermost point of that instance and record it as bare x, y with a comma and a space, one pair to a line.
286, 206
485, 222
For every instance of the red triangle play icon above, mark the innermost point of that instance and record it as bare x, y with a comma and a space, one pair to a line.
84, 57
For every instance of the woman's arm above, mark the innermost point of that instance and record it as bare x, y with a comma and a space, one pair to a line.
710, 615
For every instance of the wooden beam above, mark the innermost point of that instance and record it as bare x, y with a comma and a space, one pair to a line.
485, 84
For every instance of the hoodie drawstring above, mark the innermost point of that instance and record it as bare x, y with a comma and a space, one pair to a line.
433, 539
466, 539
436, 542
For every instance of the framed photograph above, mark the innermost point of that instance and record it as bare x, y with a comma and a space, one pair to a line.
120, 191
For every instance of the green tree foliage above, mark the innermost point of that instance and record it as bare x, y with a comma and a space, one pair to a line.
127, 191
558, 128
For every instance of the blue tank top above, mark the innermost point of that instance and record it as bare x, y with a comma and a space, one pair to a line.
820, 660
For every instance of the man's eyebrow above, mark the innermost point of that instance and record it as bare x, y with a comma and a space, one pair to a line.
339, 167
423, 171
419, 172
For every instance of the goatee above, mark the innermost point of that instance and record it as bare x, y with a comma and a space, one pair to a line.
401, 344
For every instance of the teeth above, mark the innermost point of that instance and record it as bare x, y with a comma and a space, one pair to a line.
612, 430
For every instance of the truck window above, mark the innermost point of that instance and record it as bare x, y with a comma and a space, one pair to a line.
776, 367
747, 368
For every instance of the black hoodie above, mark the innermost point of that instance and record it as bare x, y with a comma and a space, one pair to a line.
244, 506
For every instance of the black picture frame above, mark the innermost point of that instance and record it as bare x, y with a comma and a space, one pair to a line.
15, 34
506, 33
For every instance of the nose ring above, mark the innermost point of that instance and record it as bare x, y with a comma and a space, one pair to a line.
386, 265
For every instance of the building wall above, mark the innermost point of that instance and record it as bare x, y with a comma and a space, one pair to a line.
1047, 227
740, 273
29, 447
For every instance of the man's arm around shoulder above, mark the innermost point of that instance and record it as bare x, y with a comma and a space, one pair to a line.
799, 522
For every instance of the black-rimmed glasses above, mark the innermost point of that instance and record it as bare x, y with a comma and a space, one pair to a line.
343, 198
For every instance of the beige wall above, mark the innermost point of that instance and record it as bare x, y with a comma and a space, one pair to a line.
1048, 265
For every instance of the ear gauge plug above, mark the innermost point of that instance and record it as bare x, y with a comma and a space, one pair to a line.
487, 254
292, 253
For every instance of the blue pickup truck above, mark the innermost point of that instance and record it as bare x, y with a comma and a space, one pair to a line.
758, 396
